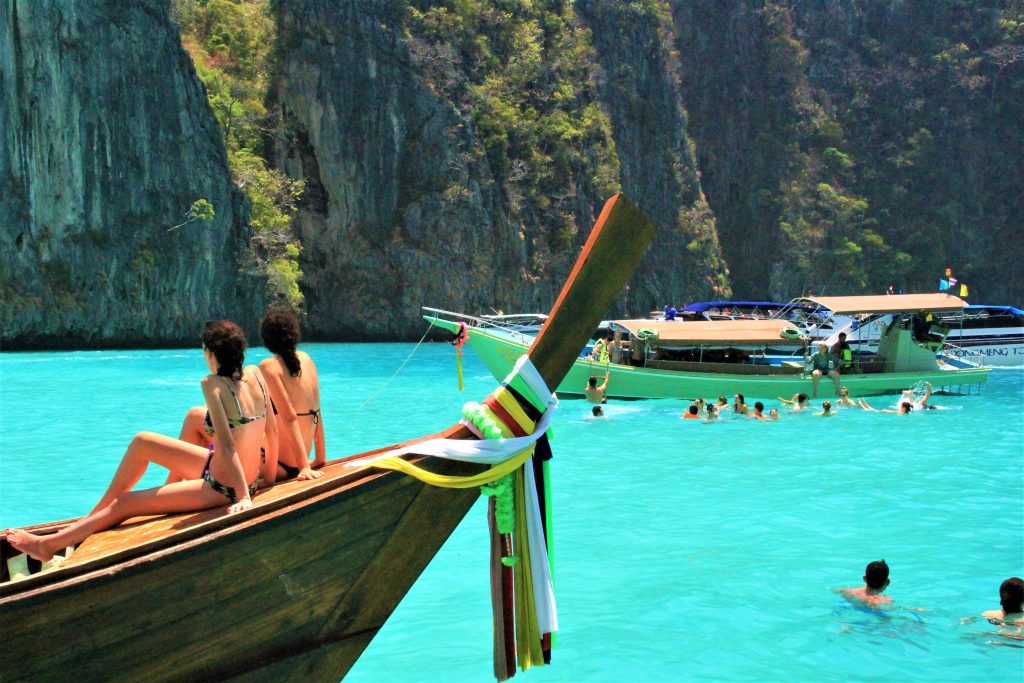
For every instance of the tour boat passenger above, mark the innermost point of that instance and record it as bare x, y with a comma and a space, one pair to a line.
294, 387
226, 472
822, 364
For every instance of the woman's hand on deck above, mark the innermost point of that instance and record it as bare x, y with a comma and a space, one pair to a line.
308, 473
243, 504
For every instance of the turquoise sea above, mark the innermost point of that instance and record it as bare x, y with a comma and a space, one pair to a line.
683, 550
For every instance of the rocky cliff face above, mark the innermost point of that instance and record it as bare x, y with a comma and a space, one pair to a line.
406, 203
106, 140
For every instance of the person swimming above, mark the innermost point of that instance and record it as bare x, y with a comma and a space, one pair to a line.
1011, 602
692, 413
597, 411
876, 580
739, 405
758, 413
826, 409
773, 414
844, 399
712, 413
799, 401
905, 408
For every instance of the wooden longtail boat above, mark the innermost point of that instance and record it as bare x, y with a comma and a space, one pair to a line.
901, 360
296, 587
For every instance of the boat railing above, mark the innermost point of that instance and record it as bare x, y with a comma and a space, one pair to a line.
961, 356
486, 322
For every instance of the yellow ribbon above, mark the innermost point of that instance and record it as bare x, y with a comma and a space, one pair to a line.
449, 482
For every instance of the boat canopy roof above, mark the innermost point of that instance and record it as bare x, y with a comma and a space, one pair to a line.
701, 306
885, 303
715, 332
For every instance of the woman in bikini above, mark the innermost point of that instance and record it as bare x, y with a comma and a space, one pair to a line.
225, 473
295, 397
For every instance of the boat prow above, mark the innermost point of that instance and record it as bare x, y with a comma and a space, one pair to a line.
297, 586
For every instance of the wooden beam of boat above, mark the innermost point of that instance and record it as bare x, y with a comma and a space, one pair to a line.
296, 587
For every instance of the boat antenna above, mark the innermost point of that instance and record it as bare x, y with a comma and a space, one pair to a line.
384, 386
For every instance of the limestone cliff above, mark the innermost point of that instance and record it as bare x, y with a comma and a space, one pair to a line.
413, 198
106, 140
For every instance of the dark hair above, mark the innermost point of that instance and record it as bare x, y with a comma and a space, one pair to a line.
801, 397
742, 400
1011, 595
227, 342
693, 409
721, 399
876, 574
596, 410
592, 381
280, 332
908, 405
827, 405
758, 406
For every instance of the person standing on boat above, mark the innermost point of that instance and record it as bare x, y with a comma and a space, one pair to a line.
843, 354
226, 473
670, 312
294, 387
616, 352
821, 362
594, 393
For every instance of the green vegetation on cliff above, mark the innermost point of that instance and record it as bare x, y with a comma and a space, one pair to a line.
232, 45
847, 145
523, 70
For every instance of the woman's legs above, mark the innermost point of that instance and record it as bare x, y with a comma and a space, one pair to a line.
184, 496
181, 458
192, 432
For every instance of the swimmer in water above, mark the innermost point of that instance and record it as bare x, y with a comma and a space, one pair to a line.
596, 411
906, 407
722, 403
739, 405
1011, 602
844, 399
758, 413
826, 409
799, 401
876, 580
712, 413
594, 393
692, 413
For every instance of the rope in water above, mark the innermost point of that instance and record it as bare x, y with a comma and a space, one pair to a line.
384, 386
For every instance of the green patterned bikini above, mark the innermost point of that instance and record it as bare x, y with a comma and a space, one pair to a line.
229, 491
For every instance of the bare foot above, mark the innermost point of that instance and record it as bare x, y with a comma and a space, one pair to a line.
30, 544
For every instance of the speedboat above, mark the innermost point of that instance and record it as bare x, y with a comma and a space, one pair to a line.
994, 332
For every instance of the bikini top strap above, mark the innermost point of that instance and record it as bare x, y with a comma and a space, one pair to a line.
234, 396
266, 400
